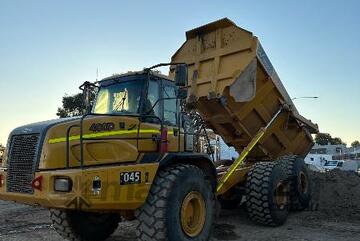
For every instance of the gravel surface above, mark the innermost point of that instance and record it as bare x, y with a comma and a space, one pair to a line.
20, 222
336, 197
336, 193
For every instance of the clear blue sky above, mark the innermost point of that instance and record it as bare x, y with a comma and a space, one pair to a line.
48, 48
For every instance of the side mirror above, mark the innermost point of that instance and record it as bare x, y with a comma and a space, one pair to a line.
181, 75
87, 88
87, 101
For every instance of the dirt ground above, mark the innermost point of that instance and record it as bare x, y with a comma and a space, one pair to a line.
336, 199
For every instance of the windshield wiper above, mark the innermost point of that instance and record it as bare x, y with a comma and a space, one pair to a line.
122, 102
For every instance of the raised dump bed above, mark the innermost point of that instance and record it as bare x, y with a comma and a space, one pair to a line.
234, 86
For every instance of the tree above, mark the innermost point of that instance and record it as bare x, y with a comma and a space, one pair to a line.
72, 105
325, 138
355, 144
337, 141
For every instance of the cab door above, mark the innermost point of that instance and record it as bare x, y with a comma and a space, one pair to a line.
171, 114
149, 129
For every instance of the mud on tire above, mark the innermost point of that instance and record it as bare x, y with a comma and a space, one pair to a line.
81, 226
267, 194
160, 218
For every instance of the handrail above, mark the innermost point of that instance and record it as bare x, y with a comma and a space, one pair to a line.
68, 144
82, 139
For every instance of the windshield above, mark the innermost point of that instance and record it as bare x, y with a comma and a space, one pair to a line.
121, 97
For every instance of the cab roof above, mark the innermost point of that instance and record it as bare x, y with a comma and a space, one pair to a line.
131, 75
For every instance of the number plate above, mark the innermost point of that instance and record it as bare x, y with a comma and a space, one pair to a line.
130, 178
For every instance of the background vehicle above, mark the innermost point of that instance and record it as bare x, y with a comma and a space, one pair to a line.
135, 154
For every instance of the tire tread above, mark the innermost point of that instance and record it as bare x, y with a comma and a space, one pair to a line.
151, 216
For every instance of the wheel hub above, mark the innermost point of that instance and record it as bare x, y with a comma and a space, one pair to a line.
193, 214
280, 194
303, 183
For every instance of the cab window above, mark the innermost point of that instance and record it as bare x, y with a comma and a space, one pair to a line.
153, 96
170, 106
119, 98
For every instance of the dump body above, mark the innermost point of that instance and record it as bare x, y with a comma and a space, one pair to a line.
235, 88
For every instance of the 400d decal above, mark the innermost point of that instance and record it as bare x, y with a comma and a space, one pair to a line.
106, 126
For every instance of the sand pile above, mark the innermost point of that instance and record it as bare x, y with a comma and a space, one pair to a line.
336, 193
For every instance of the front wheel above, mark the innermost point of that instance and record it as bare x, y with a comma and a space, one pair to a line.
80, 226
180, 206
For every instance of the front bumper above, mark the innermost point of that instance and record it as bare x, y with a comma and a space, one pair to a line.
111, 197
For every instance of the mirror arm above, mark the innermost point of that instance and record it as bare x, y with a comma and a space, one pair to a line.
161, 65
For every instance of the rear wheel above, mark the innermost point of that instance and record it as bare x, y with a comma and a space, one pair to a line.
300, 186
267, 198
180, 206
81, 226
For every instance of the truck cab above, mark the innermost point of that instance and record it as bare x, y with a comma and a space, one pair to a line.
135, 120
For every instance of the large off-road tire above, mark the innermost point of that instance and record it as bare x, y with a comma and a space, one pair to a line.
267, 198
300, 185
180, 206
83, 226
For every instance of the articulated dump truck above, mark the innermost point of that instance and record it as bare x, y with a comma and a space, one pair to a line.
133, 154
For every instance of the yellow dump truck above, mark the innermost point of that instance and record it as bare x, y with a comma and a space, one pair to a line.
133, 154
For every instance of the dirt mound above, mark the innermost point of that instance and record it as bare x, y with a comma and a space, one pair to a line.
337, 193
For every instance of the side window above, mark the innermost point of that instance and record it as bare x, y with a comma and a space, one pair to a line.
169, 106
153, 96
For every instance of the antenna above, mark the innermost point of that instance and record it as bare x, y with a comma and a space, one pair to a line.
97, 74
305, 97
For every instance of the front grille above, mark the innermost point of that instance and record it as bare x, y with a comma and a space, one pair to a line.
22, 163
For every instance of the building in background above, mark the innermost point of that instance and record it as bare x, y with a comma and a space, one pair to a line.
227, 152
328, 149
327, 157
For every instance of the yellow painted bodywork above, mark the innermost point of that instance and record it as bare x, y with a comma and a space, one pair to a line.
101, 151
229, 71
112, 197
237, 177
102, 158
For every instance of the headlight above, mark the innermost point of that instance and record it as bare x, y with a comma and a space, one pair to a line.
63, 184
